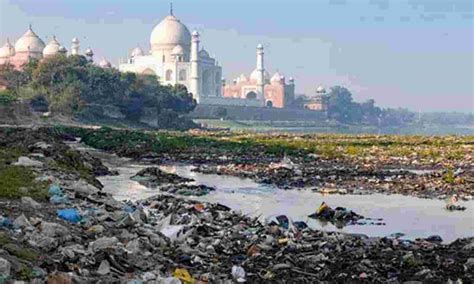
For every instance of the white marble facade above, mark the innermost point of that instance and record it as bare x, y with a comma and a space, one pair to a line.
175, 58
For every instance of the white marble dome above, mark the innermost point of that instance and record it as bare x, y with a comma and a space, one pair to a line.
62, 49
89, 52
104, 63
320, 90
177, 50
170, 32
137, 51
7, 50
255, 74
29, 42
52, 48
276, 78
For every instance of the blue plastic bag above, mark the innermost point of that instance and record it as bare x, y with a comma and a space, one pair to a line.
55, 190
69, 214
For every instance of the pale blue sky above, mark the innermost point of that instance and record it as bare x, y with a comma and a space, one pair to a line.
410, 53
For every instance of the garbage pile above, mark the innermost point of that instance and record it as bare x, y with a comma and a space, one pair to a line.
79, 234
154, 176
170, 240
341, 216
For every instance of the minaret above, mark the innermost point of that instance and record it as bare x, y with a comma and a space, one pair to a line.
195, 87
89, 54
75, 46
261, 78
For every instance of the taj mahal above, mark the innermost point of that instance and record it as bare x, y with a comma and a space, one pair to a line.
174, 57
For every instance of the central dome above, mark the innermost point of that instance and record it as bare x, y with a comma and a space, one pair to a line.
29, 42
169, 33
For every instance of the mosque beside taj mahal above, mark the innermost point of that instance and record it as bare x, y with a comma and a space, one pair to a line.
175, 57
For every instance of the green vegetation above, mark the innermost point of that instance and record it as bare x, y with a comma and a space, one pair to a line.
21, 252
427, 150
17, 181
6, 98
72, 86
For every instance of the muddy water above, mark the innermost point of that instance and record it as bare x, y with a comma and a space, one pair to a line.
411, 216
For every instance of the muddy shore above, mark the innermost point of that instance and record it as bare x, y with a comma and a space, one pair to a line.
165, 238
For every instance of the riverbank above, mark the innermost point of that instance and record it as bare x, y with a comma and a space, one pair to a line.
73, 231
428, 167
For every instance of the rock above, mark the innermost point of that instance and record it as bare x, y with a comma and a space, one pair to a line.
148, 276
103, 243
5, 267
423, 273
133, 246
27, 162
60, 278
53, 229
30, 202
96, 229
104, 268
43, 242
469, 246
83, 189
21, 221
434, 239
469, 265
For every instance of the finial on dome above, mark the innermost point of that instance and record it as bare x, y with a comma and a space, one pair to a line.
30, 26
171, 8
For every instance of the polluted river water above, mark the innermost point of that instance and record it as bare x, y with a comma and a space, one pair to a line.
414, 217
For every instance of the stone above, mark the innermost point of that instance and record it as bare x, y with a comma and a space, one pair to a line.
133, 246
27, 162
469, 265
30, 202
104, 268
53, 229
21, 221
5, 267
103, 243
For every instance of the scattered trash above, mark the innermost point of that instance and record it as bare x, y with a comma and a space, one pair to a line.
238, 273
183, 275
69, 214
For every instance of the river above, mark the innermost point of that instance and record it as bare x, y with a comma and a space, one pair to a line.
412, 216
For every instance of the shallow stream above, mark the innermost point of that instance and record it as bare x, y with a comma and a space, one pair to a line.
414, 217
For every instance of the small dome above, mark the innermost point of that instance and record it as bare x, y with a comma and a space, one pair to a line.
29, 42
52, 48
62, 49
320, 90
7, 50
89, 52
137, 51
75, 40
104, 63
291, 80
195, 33
242, 78
259, 46
276, 78
177, 50
203, 53
170, 32
255, 74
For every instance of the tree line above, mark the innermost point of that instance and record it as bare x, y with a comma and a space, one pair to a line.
69, 85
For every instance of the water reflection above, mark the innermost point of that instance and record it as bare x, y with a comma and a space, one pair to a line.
411, 216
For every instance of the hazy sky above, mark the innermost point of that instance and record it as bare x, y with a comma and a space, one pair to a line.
410, 53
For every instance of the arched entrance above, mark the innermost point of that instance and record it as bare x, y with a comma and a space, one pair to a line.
269, 104
251, 95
